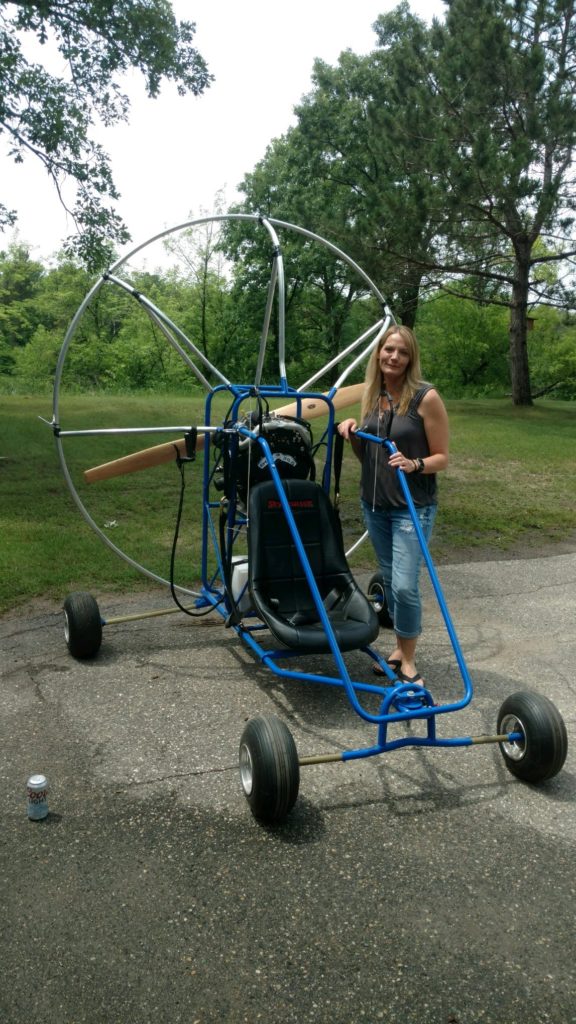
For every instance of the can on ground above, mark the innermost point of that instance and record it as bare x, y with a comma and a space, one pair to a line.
37, 795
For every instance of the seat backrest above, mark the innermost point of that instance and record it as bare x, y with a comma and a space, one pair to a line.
274, 564
278, 585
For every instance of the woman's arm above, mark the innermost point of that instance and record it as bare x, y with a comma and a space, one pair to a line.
348, 428
433, 412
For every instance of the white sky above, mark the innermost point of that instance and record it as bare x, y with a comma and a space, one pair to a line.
176, 153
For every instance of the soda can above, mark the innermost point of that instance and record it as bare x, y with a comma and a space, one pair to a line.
37, 793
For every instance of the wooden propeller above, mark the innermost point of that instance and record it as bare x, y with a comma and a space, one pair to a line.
310, 409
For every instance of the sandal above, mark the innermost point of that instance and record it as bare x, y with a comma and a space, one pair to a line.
392, 662
416, 680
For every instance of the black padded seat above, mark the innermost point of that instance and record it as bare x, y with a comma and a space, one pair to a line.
280, 592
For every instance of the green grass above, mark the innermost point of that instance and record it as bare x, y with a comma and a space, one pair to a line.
512, 476
511, 482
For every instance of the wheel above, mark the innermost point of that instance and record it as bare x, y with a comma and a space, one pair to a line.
377, 595
269, 768
540, 754
82, 625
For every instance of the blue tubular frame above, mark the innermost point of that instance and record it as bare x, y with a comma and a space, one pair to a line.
241, 394
400, 702
391, 447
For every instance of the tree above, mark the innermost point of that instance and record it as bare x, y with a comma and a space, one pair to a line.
453, 145
20, 284
326, 303
51, 116
463, 345
198, 251
552, 351
365, 125
502, 74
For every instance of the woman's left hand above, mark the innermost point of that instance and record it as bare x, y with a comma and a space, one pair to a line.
399, 461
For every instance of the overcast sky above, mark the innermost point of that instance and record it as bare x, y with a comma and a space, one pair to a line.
177, 153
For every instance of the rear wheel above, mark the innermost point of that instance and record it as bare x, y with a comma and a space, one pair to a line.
541, 750
377, 595
82, 625
269, 768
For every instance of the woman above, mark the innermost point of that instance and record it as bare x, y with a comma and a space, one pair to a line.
396, 399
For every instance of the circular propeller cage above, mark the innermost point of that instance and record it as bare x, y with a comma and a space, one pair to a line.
208, 375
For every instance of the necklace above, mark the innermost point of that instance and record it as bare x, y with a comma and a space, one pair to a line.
391, 404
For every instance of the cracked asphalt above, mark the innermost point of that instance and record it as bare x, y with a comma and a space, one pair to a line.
420, 887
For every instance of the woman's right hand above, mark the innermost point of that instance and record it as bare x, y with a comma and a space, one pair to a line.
347, 427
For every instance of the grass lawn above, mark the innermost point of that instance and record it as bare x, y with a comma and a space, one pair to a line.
511, 486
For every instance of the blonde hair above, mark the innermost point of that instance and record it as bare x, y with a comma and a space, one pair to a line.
374, 380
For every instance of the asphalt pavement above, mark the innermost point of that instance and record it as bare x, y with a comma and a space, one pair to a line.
422, 886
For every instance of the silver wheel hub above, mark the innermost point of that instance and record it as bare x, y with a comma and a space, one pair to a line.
514, 749
246, 769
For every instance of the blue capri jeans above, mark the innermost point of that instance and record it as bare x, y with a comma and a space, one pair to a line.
399, 555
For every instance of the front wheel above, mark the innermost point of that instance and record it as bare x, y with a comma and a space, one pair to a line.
541, 750
82, 625
269, 768
377, 595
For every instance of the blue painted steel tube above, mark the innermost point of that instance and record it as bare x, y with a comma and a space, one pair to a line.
268, 658
241, 393
300, 550
346, 682
468, 688
343, 680
421, 741
407, 741
426, 712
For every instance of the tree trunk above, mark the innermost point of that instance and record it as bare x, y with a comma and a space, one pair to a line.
407, 299
519, 368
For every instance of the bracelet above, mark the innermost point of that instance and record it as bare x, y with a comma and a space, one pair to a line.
418, 465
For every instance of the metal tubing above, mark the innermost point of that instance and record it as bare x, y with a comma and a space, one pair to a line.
512, 737
357, 544
319, 759
268, 658
346, 352
428, 711
468, 688
279, 271
247, 217
353, 755
304, 562
266, 323
106, 540
178, 348
113, 431
65, 344
360, 358
161, 318
164, 323
115, 619
241, 393
425, 741
340, 254
344, 679
405, 741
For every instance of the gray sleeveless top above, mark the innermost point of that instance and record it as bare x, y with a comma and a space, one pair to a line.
379, 486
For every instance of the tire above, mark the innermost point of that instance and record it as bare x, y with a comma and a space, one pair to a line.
377, 596
82, 625
542, 752
269, 768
